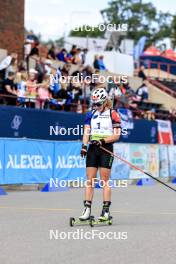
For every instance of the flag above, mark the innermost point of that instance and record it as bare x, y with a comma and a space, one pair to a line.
165, 135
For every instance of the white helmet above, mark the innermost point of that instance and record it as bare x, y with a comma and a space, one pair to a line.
99, 95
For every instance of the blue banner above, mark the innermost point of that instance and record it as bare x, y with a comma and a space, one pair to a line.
172, 159
1, 161
45, 124
68, 162
140, 135
121, 170
174, 131
19, 122
28, 161
35, 161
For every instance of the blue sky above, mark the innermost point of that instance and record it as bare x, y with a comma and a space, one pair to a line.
54, 18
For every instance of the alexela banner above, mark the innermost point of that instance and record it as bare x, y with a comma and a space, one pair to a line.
165, 135
25, 161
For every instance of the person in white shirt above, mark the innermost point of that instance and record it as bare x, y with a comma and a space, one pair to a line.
5, 63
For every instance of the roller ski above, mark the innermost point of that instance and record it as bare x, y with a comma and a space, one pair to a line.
86, 218
102, 221
105, 217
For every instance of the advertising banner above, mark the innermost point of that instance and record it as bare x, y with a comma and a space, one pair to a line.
164, 161
28, 161
37, 161
68, 163
138, 157
153, 160
172, 160
121, 170
1, 161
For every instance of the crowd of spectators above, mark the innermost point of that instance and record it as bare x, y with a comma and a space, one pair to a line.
62, 88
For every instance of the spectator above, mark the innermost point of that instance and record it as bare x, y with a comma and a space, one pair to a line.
35, 49
77, 57
83, 55
22, 90
149, 115
54, 83
47, 66
40, 68
101, 64
32, 37
87, 73
13, 67
32, 88
6, 63
43, 94
63, 98
27, 48
66, 69
10, 89
142, 92
96, 62
73, 50
62, 55
141, 73
51, 53
75, 88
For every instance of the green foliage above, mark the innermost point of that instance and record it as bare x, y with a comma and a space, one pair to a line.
142, 19
173, 34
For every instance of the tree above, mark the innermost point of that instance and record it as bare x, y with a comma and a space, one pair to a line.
142, 18
173, 34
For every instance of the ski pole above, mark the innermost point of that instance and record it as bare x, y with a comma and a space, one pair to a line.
137, 168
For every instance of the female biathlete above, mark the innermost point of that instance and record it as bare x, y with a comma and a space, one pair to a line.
101, 128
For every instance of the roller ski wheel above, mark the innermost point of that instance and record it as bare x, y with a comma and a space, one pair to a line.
104, 221
110, 220
78, 221
72, 221
92, 221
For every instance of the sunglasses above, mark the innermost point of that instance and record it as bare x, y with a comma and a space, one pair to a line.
97, 104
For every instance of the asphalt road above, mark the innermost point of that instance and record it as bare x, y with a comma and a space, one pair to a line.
33, 226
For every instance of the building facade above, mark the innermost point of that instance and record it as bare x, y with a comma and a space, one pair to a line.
12, 25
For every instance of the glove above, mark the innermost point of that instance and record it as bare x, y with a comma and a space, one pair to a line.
83, 151
98, 143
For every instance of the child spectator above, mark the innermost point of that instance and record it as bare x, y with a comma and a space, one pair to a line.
48, 68
32, 88
43, 94
22, 89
